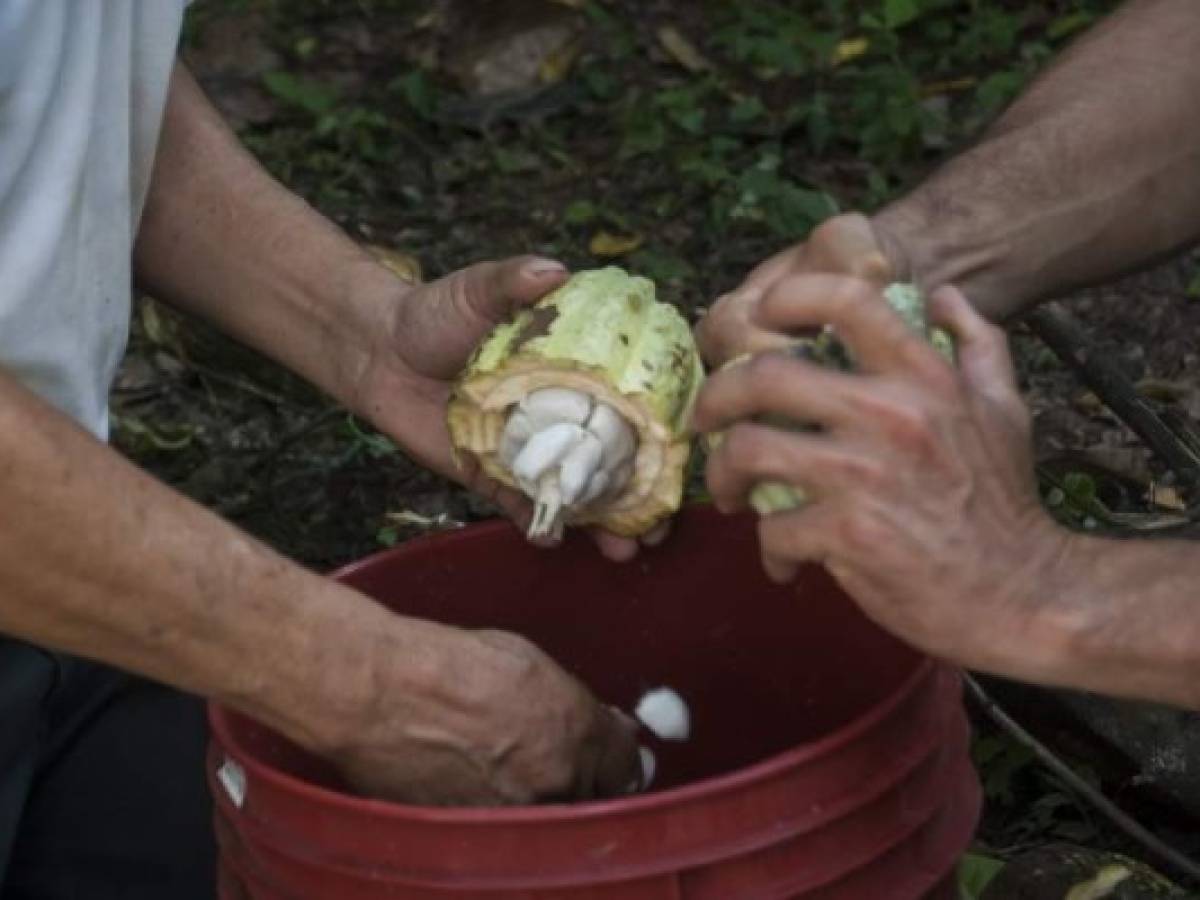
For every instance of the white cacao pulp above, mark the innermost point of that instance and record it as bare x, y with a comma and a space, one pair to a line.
565, 450
666, 714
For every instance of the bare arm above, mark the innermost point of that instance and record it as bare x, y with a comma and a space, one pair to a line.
1124, 616
1093, 172
221, 238
101, 560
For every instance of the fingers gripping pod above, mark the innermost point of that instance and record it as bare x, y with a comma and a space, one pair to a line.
582, 403
826, 350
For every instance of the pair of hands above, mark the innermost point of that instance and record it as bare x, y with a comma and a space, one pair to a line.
922, 499
920, 482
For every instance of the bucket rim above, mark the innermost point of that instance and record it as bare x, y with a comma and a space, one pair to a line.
218, 716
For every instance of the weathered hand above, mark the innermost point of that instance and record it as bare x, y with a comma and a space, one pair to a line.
423, 344
488, 719
922, 498
846, 245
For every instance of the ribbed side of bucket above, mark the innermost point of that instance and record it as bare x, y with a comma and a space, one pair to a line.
834, 766
918, 867
895, 841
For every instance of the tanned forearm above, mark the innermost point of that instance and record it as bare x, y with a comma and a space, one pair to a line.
1093, 172
100, 560
1119, 618
224, 240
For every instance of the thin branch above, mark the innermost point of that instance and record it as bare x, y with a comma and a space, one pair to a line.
1122, 820
1059, 331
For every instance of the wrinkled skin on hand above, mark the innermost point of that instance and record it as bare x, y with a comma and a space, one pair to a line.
846, 244
923, 500
423, 344
499, 724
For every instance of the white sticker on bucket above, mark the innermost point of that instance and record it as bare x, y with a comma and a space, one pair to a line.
233, 778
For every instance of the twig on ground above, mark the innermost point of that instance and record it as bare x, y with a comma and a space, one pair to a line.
1121, 819
1059, 331
242, 384
285, 441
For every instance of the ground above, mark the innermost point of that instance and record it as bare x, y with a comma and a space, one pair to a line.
685, 141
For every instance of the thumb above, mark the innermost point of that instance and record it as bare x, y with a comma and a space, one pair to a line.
495, 290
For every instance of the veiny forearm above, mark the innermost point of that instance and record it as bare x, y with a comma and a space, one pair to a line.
1093, 172
221, 238
99, 559
1119, 617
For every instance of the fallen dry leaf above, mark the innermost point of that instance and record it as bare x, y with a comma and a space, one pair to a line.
953, 86
403, 265
851, 48
606, 244
1164, 390
682, 50
1167, 496
413, 519
554, 68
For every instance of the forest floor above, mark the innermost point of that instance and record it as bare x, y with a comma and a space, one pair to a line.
686, 141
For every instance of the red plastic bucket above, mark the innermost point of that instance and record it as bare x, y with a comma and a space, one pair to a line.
827, 759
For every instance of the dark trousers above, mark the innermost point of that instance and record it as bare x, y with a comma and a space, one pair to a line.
102, 791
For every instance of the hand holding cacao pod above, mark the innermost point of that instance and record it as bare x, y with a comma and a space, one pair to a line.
583, 402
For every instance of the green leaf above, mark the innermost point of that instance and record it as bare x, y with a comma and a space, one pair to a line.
898, 13
663, 268
975, 873
311, 96
1080, 487
415, 88
305, 47
580, 212
1064, 26
690, 120
1193, 288
602, 85
747, 109
513, 162
643, 130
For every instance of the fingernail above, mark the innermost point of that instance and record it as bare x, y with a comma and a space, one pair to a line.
540, 268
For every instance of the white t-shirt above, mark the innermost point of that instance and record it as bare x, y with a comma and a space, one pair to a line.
82, 87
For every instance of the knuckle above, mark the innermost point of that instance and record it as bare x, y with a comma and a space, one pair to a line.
852, 297
725, 303
995, 337
913, 427
764, 372
918, 356
744, 444
861, 471
858, 529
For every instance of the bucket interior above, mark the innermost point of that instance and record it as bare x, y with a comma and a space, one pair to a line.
763, 668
